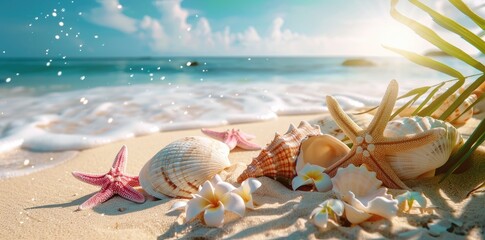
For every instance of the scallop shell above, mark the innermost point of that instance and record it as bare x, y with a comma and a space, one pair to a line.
182, 166
278, 159
322, 150
459, 116
329, 126
362, 194
424, 160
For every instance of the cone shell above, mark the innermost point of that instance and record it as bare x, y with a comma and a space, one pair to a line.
424, 160
461, 114
182, 166
322, 150
278, 159
329, 126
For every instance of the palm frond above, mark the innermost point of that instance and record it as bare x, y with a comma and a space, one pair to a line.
429, 106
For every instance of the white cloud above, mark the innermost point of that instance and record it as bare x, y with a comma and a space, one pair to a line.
173, 34
109, 15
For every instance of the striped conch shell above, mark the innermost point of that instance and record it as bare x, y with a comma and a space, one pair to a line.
278, 159
362, 194
422, 161
461, 114
182, 166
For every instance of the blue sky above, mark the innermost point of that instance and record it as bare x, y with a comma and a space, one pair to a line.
114, 28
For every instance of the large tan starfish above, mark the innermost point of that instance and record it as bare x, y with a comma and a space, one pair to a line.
370, 146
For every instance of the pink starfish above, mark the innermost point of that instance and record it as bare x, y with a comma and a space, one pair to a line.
233, 138
113, 182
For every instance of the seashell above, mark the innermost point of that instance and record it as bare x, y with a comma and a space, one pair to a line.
183, 165
424, 160
459, 113
278, 158
328, 126
322, 150
362, 194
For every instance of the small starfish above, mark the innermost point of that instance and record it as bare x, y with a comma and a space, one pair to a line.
113, 182
370, 146
233, 138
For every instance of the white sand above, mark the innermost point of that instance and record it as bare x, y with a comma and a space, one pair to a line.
41, 205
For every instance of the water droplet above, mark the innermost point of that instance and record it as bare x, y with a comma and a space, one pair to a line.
158, 68
188, 29
96, 36
63, 10
48, 64
249, 59
131, 75
110, 120
196, 15
82, 78
61, 24
151, 74
26, 162
57, 37
54, 14
36, 18
188, 64
162, 78
80, 13
8, 80
59, 73
120, 6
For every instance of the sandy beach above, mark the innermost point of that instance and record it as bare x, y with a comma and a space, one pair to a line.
42, 205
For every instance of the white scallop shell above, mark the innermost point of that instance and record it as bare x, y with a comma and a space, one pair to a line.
322, 150
424, 160
362, 194
358, 180
182, 166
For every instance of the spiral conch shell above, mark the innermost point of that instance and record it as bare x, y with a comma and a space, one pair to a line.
278, 159
422, 161
322, 150
461, 114
183, 165
362, 194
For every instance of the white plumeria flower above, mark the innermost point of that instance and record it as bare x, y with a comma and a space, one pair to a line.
329, 208
246, 189
408, 198
213, 199
312, 174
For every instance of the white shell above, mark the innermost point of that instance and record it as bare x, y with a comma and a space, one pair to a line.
362, 194
329, 126
322, 150
358, 180
423, 160
182, 166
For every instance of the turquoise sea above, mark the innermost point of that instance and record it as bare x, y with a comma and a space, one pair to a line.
63, 105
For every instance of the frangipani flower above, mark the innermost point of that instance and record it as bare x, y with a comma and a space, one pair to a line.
312, 174
408, 198
330, 208
213, 200
246, 189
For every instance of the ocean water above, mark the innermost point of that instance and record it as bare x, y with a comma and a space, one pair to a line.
52, 108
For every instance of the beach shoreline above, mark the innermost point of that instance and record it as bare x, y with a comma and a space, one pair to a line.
42, 205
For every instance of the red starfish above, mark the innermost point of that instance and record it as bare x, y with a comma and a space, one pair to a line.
233, 138
113, 182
